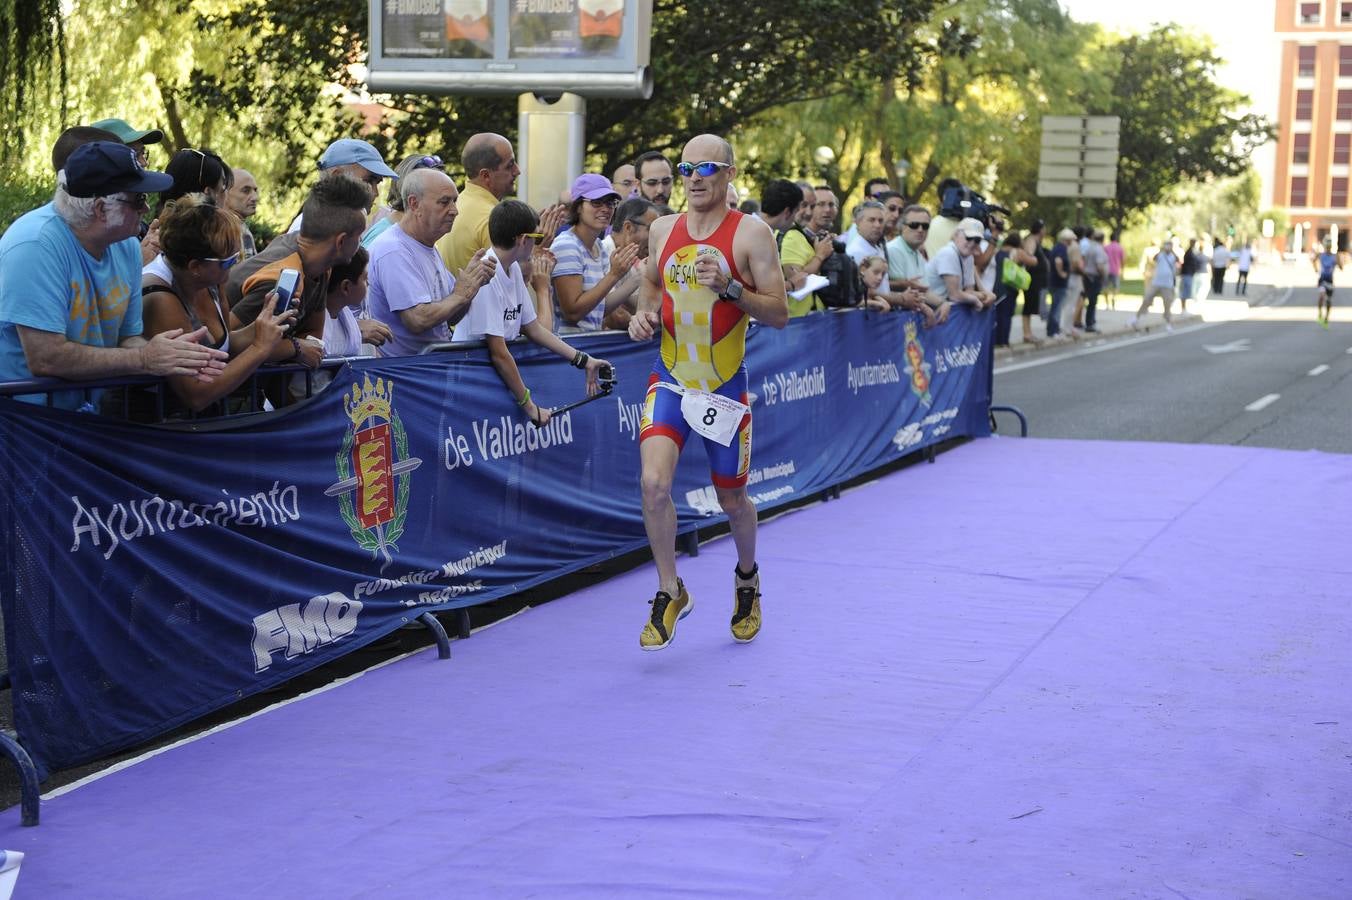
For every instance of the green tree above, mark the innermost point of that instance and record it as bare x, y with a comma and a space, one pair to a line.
1178, 123
33, 44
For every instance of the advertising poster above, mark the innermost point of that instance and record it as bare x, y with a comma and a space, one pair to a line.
553, 29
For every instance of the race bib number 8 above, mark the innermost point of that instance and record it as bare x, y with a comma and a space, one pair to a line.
712, 415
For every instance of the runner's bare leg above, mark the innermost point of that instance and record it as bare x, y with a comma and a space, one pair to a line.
658, 455
742, 520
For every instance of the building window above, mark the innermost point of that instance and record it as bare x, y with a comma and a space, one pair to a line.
1300, 190
1300, 148
1342, 148
1345, 13
1344, 112
1309, 14
1345, 62
1304, 105
1305, 62
1338, 193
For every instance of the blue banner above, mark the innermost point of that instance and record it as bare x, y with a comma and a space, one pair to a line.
155, 573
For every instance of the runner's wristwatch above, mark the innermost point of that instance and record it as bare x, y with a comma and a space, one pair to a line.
733, 292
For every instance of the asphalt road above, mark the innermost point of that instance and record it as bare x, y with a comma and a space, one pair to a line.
1273, 379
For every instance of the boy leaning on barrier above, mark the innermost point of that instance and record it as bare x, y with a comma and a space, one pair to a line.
504, 308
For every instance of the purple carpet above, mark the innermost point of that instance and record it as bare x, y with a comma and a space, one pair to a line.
1033, 669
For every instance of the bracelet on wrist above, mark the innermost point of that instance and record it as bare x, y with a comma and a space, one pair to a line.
580, 360
525, 398
295, 347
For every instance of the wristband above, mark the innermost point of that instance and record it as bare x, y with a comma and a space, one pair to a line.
295, 346
580, 360
525, 398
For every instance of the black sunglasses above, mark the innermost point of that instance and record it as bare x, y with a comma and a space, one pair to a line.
918, 226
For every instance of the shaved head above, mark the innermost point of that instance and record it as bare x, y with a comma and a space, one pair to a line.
709, 146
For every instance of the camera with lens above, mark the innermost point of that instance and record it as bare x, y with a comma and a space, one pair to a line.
838, 245
958, 201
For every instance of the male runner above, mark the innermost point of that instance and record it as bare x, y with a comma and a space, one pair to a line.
1325, 262
713, 269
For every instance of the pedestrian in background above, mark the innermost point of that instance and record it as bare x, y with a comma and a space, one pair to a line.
1220, 260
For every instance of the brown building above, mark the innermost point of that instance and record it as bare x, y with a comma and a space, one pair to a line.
1314, 120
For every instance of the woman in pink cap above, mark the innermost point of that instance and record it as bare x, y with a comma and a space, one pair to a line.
585, 272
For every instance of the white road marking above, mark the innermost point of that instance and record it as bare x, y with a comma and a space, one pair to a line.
1116, 344
1263, 402
1318, 370
1238, 346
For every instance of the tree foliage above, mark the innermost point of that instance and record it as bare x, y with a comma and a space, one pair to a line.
954, 88
1178, 123
33, 43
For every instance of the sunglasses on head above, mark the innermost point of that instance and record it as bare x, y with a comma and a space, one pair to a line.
429, 162
702, 169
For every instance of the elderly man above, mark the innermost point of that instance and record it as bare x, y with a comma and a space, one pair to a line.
242, 200
409, 287
624, 181
807, 210
70, 282
870, 219
654, 177
709, 272
952, 271
490, 175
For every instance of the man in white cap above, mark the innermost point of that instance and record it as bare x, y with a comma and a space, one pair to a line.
1161, 285
952, 271
70, 282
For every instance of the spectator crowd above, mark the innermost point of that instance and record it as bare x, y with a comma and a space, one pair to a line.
132, 271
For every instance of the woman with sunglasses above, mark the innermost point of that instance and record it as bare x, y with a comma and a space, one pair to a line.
181, 290
585, 272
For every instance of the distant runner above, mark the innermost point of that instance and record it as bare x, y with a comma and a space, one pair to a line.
1324, 263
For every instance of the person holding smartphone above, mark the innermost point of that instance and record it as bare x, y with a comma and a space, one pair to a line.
200, 243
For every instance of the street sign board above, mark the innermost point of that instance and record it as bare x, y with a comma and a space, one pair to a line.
1079, 157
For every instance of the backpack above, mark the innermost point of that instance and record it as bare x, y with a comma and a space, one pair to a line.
1013, 275
847, 285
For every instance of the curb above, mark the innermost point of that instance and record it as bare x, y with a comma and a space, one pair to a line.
1083, 339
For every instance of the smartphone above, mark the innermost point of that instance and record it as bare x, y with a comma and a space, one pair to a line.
287, 282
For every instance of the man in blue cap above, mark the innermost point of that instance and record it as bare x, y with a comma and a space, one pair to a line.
70, 282
357, 160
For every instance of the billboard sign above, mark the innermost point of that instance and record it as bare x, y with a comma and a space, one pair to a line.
588, 47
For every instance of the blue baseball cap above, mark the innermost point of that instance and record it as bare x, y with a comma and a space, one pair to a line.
349, 151
100, 168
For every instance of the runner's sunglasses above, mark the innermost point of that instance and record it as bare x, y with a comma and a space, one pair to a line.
703, 169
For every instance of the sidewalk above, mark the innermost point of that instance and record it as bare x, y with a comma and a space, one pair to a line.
1115, 321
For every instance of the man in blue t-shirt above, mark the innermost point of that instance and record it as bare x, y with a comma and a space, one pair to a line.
70, 283
1324, 263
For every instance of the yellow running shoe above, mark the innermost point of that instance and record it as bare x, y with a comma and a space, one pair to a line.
746, 617
661, 626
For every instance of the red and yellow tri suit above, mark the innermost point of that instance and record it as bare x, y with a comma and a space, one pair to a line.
703, 346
